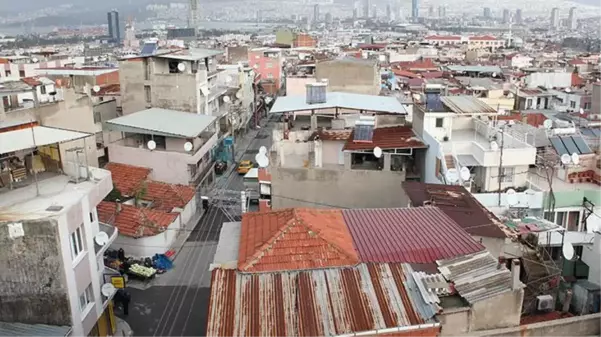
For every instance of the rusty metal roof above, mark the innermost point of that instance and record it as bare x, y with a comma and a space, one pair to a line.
387, 138
318, 302
459, 205
411, 235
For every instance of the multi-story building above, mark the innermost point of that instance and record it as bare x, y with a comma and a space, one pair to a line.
572, 22
518, 17
114, 26
555, 18
472, 42
183, 80
360, 76
15, 67
53, 271
415, 10
506, 16
268, 63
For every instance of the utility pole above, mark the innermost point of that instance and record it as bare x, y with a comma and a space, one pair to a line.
501, 173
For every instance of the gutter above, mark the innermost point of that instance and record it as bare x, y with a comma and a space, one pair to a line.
392, 330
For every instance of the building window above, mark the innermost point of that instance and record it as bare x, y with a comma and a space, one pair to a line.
439, 122
507, 174
573, 221
91, 216
86, 299
269, 65
76, 243
147, 93
587, 106
8, 73
270, 75
573, 104
21, 73
43, 90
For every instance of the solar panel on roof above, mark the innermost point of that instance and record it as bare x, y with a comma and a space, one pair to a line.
149, 49
558, 146
569, 144
583, 148
433, 102
363, 133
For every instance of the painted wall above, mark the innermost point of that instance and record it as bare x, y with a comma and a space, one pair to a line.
587, 325
432, 154
350, 76
501, 311
297, 85
150, 245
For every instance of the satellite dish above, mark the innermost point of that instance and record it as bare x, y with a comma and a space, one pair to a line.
568, 251
512, 197
494, 74
181, 66
262, 150
377, 152
107, 290
228, 79
465, 174
581, 111
568, 90
34, 60
96, 88
188, 146
262, 160
548, 124
452, 176
511, 122
575, 158
101, 238
565, 159
494, 146
151, 145
256, 66
226, 99
238, 94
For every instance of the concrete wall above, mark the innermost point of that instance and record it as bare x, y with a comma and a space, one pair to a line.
596, 99
587, 325
349, 76
131, 78
148, 246
433, 153
454, 321
592, 257
501, 311
297, 85
33, 288
315, 187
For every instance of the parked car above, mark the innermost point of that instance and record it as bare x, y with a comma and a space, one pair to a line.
220, 167
244, 166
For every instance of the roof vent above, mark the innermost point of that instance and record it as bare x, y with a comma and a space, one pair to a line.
316, 93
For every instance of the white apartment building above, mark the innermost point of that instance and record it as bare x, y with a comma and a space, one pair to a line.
52, 266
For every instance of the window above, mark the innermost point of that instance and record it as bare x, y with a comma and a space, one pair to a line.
21, 73
8, 73
573, 221
86, 298
269, 65
507, 174
573, 104
76, 243
560, 218
270, 75
587, 106
439, 122
91, 216
147, 93
43, 90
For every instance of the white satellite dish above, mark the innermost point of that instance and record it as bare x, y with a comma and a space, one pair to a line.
452, 176
188, 146
263, 150
107, 290
101, 238
511, 122
568, 90
34, 60
262, 160
256, 66
568, 251
228, 79
548, 124
96, 88
226, 99
151, 145
238, 94
377, 152
565, 159
494, 146
575, 158
512, 197
181, 66
465, 174
494, 74
581, 111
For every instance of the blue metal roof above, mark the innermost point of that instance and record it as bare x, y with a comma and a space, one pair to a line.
343, 100
22, 329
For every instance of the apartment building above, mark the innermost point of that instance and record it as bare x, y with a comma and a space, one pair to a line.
268, 63
52, 242
15, 67
472, 42
352, 75
182, 80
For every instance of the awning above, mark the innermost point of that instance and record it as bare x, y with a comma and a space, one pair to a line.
28, 138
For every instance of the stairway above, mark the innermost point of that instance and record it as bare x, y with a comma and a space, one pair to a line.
448, 159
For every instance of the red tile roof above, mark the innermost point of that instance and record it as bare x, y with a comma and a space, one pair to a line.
482, 38
294, 239
459, 205
127, 178
32, 81
577, 81
108, 90
549, 316
411, 235
134, 221
395, 137
318, 302
333, 134
576, 62
166, 197
432, 74
404, 73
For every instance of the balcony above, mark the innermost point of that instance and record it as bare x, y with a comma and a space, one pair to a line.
112, 233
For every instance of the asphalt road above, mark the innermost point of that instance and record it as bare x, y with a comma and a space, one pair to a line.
176, 303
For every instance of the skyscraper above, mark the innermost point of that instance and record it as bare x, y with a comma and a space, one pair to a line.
388, 12
355, 13
487, 13
414, 10
365, 9
316, 13
518, 17
193, 14
442, 12
114, 27
328, 19
506, 16
431, 12
572, 23
555, 18
374, 11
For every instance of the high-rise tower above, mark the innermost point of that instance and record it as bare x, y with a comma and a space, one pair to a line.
114, 26
193, 17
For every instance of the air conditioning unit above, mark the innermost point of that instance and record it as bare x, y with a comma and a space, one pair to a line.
544, 303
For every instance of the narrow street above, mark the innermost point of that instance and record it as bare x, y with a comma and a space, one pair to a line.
176, 303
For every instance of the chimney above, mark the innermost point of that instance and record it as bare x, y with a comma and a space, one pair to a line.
515, 274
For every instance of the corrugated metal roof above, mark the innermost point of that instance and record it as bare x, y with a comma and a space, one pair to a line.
318, 302
466, 105
387, 138
458, 204
413, 235
226, 255
343, 100
477, 277
479, 69
163, 122
22, 329
192, 54
28, 138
